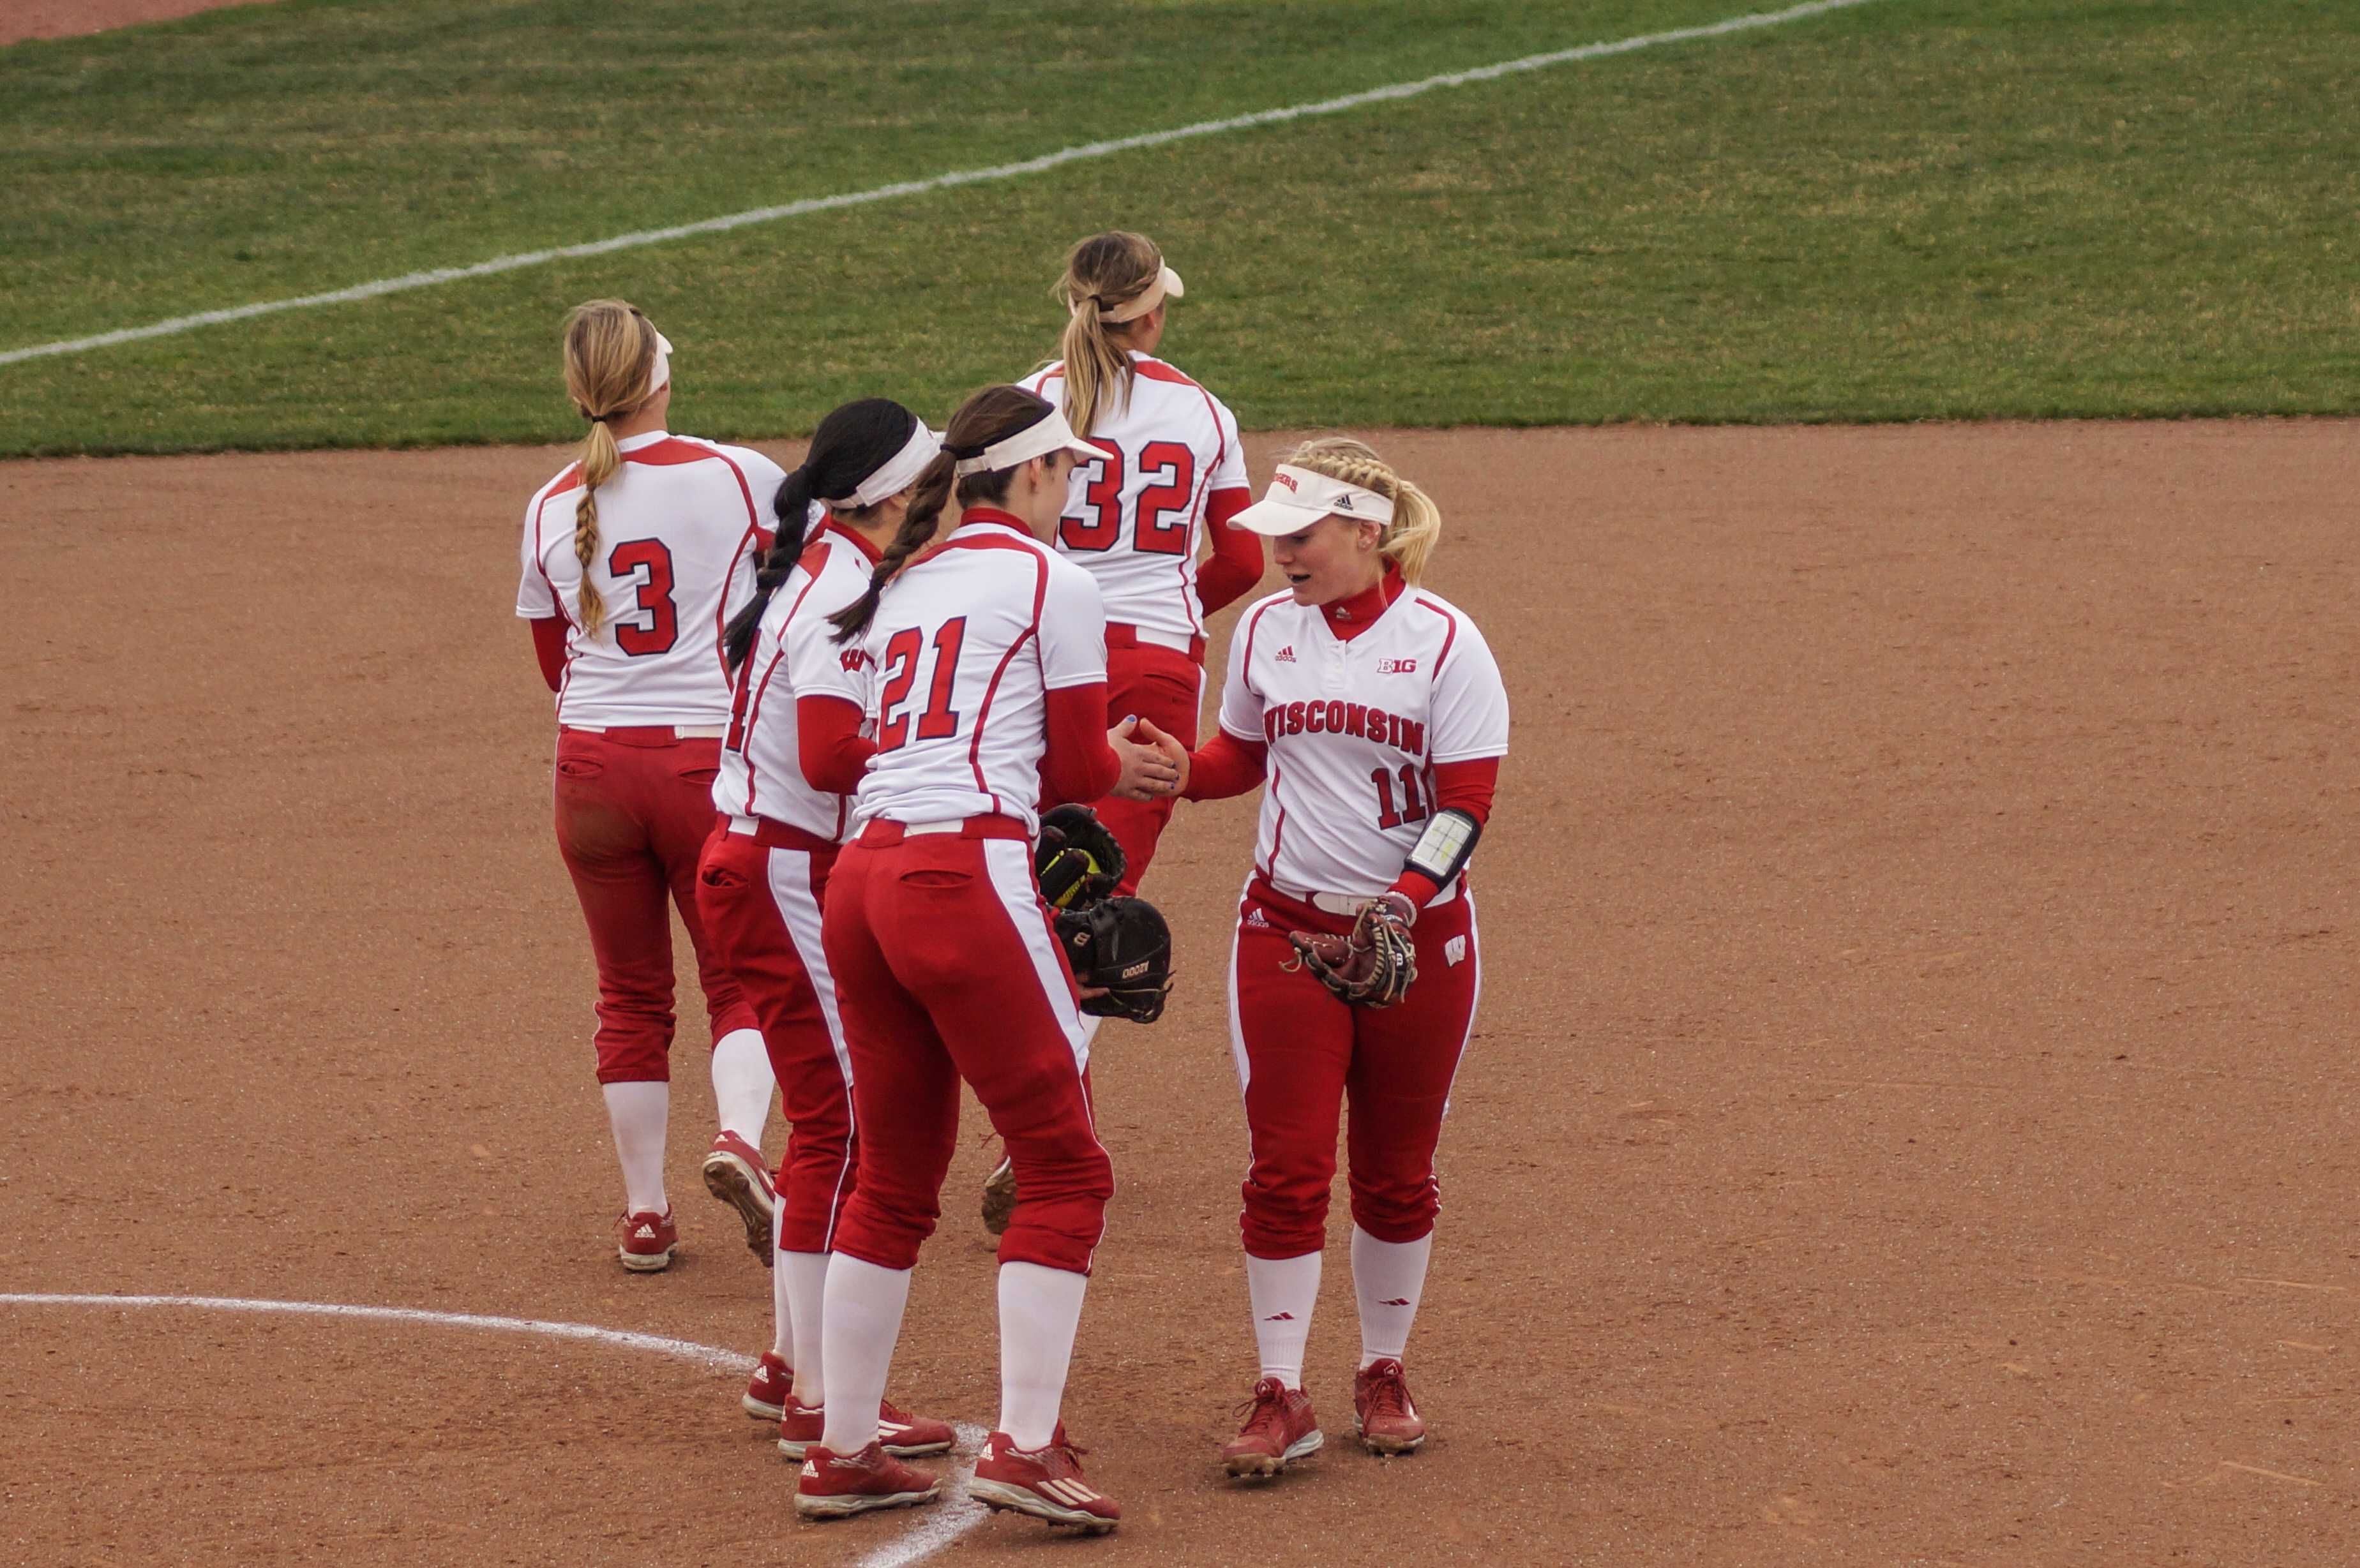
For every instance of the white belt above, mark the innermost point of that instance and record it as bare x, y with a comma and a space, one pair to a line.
679, 732
747, 826
955, 824
1352, 904
1179, 642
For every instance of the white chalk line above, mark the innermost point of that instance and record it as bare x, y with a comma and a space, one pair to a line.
441, 275
937, 1528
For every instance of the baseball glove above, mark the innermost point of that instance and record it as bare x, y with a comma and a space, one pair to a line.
1123, 947
1076, 861
1373, 964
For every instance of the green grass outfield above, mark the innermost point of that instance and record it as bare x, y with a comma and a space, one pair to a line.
1912, 209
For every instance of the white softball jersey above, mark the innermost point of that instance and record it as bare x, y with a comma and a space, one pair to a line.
1354, 730
968, 641
679, 529
794, 655
1136, 517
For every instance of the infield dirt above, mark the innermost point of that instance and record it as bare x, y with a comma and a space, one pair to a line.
75, 18
1910, 1117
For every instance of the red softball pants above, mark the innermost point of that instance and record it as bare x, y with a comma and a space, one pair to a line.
761, 894
1161, 684
1301, 1053
633, 808
948, 969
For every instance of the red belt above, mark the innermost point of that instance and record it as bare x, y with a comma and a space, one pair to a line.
1119, 635
884, 834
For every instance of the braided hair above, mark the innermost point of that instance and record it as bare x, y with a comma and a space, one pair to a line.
991, 415
851, 443
1408, 541
610, 348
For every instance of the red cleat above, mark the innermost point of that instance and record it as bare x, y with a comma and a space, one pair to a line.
905, 1434
770, 1388
734, 1173
1388, 1422
644, 1241
799, 1428
1280, 1429
902, 1434
839, 1488
1046, 1484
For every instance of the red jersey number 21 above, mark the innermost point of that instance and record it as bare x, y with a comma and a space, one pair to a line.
939, 721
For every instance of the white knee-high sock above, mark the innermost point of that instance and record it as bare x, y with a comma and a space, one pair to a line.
1039, 1309
802, 1289
859, 1326
1389, 1277
637, 1113
1283, 1291
782, 1295
742, 1084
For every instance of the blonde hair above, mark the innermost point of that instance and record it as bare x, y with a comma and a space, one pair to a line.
1410, 538
610, 348
1102, 273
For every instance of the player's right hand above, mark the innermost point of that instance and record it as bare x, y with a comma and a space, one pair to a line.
1148, 771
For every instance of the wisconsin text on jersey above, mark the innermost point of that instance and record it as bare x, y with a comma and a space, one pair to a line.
1337, 717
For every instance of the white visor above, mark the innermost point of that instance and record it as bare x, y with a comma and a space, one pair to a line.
1297, 499
659, 371
1038, 440
900, 471
1166, 282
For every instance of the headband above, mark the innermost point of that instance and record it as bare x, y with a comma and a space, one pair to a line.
659, 371
1166, 282
1297, 499
897, 474
1047, 434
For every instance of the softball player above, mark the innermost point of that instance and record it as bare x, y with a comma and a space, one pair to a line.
794, 752
989, 651
633, 558
1166, 470
1373, 710
1166, 463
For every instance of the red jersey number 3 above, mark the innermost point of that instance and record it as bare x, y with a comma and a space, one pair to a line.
654, 593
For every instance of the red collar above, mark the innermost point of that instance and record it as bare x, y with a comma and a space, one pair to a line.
859, 541
1350, 618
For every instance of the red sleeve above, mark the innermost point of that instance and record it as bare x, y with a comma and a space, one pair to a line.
829, 746
1225, 766
1235, 565
549, 647
1466, 786
1078, 765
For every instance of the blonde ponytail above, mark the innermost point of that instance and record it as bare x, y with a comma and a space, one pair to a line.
610, 349
1409, 540
1102, 274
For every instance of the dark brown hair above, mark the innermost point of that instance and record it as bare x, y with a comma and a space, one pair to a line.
991, 415
853, 442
